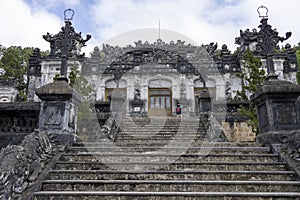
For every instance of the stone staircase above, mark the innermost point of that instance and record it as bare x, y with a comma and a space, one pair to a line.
168, 158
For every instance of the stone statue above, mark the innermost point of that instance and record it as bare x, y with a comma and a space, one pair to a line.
137, 95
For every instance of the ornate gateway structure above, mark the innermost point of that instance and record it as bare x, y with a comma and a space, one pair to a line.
162, 74
154, 78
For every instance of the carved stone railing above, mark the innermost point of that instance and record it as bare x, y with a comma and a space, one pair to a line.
21, 165
212, 127
17, 120
286, 144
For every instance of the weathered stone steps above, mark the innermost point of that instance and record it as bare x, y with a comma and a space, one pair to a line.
146, 162
171, 185
207, 166
170, 175
110, 147
121, 195
204, 143
161, 157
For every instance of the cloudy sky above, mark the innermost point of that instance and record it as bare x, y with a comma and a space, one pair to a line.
23, 22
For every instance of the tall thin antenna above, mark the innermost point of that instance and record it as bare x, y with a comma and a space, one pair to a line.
159, 29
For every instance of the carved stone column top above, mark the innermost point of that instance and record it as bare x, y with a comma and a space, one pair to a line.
58, 90
279, 87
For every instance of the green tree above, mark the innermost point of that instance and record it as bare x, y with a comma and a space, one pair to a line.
14, 62
298, 60
252, 78
80, 84
83, 88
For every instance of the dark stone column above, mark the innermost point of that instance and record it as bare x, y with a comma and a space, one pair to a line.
277, 107
204, 101
117, 102
58, 113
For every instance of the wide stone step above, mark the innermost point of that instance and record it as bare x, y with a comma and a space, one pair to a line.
126, 138
161, 133
170, 185
164, 128
159, 120
184, 148
204, 166
100, 156
156, 143
204, 143
92, 195
171, 175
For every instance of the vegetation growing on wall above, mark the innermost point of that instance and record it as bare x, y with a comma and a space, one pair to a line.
253, 76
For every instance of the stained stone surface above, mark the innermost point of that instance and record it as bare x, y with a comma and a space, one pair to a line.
277, 106
58, 113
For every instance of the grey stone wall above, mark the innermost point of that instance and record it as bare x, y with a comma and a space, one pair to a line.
17, 120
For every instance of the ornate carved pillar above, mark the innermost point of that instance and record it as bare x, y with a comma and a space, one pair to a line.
58, 113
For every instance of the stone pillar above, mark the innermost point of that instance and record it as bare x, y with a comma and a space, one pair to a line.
144, 97
117, 108
277, 107
58, 113
204, 101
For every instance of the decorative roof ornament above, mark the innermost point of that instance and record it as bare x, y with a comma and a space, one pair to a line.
263, 11
68, 14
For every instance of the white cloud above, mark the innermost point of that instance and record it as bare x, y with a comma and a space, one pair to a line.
203, 21
22, 27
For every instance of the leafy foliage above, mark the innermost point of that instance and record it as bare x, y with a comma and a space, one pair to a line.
82, 87
252, 78
14, 61
298, 60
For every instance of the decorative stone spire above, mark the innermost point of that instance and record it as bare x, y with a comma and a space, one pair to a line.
66, 43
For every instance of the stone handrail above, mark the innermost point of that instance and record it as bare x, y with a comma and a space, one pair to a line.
286, 144
212, 127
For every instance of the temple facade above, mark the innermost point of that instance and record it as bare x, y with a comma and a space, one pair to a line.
163, 75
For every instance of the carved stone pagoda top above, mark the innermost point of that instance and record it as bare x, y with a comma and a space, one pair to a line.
67, 43
66, 40
264, 43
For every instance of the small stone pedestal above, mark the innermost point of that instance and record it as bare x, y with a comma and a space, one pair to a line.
137, 108
277, 107
58, 113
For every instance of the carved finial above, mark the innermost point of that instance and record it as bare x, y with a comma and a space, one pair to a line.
68, 14
262, 11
